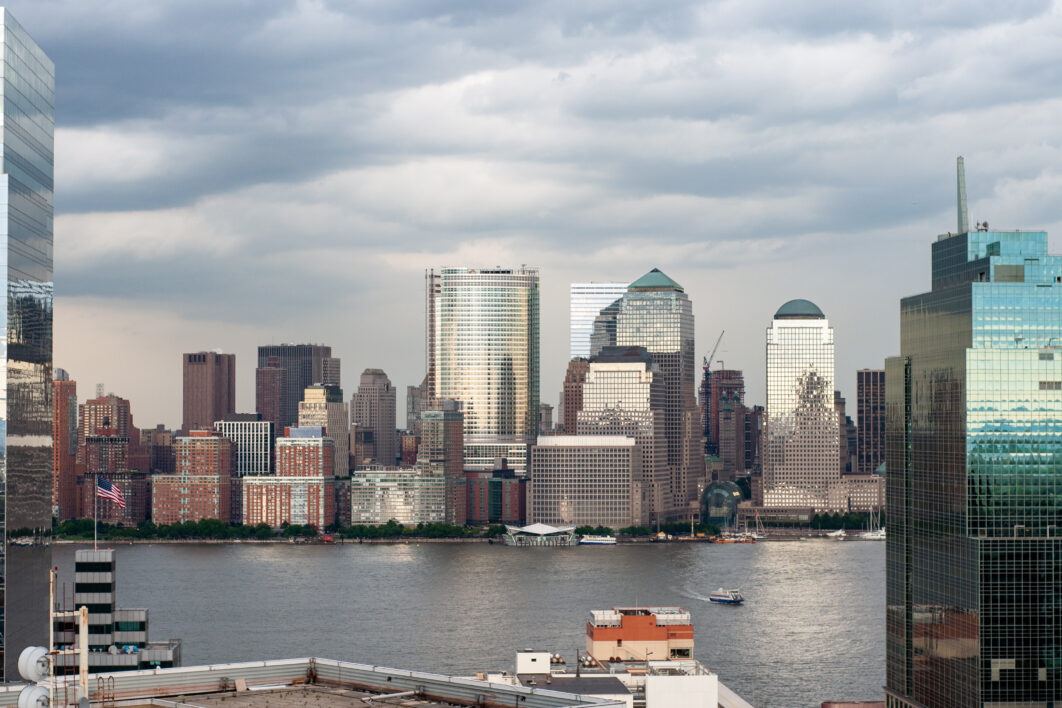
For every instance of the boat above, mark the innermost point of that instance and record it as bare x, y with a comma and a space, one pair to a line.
590, 540
839, 534
726, 597
874, 535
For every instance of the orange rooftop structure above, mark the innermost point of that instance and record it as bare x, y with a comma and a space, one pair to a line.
639, 634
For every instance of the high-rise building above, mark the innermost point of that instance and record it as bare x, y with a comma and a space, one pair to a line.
603, 331
108, 412
414, 404
64, 447
753, 439
973, 444
302, 490
209, 389
486, 355
441, 453
656, 313
624, 395
304, 365
201, 488
587, 301
323, 407
373, 408
158, 444
26, 132
270, 394
870, 407
108, 455
545, 419
585, 480
723, 418
252, 438
802, 449
846, 453
572, 394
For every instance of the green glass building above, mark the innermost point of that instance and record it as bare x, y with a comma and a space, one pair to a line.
974, 460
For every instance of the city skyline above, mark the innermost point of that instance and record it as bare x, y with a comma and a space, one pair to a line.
767, 177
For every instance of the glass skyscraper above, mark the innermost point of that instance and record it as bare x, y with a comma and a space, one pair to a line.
656, 313
486, 355
802, 450
587, 301
25, 399
974, 465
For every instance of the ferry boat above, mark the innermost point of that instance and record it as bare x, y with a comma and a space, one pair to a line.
589, 540
726, 597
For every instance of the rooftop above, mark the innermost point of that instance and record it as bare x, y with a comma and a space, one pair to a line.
799, 310
655, 280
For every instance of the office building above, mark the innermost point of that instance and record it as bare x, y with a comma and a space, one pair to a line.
585, 480
442, 453
26, 131
201, 487
753, 439
802, 448
252, 438
486, 355
496, 497
870, 431
323, 407
624, 395
545, 419
302, 491
65, 502
723, 419
158, 445
572, 394
586, 302
432, 289
408, 445
373, 408
270, 394
973, 442
108, 412
209, 389
414, 406
362, 446
304, 365
656, 313
844, 445
603, 332
409, 495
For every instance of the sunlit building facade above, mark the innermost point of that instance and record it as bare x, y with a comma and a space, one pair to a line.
486, 355
585, 480
974, 466
585, 304
373, 408
323, 407
407, 495
26, 207
656, 313
802, 449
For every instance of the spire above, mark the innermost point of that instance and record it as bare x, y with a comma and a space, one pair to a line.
964, 220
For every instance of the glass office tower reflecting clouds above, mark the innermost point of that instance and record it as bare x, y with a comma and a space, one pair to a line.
974, 460
586, 303
486, 356
25, 400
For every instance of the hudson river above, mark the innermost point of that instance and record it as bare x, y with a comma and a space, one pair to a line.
811, 629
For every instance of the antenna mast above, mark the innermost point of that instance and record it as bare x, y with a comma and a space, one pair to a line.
964, 220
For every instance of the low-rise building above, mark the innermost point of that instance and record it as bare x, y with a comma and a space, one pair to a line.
496, 497
408, 495
639, 634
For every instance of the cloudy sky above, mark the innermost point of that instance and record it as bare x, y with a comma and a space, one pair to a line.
235, 173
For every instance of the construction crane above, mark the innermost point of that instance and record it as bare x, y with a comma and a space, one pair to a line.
710, 357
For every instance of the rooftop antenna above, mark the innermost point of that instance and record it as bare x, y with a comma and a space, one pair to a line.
964, 219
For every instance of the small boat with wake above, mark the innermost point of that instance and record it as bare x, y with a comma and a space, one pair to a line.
726, 597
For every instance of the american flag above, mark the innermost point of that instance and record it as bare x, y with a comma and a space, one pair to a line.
109, 491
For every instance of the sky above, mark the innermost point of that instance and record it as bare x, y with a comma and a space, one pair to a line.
232, 173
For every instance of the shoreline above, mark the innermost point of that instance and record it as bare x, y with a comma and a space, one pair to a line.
285, 541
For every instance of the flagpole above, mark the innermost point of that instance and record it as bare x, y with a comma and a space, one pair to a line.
95, 513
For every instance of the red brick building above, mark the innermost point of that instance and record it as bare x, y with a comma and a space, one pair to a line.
201, 487
270, 387
498, 497
65, 498
106, 455
209, 389
303, 489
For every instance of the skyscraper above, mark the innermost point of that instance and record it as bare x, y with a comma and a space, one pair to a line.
802, 450
26, 409
486, 355
973, 451
373, 409
572, 394
442, 453
870, 407
304, 365
64, 452
656, 313
209, 389
323, 407
587, 301
723, 415
270, 394
109, 412
253, 440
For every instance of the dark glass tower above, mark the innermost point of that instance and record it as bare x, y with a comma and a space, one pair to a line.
304, 365
974, 463
26, 396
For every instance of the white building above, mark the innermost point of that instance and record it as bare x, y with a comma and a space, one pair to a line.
408, 495
802, 431
253, 439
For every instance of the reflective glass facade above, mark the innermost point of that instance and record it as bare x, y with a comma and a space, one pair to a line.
974, 460
802, 450
25, 399
587, 301
486, 355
